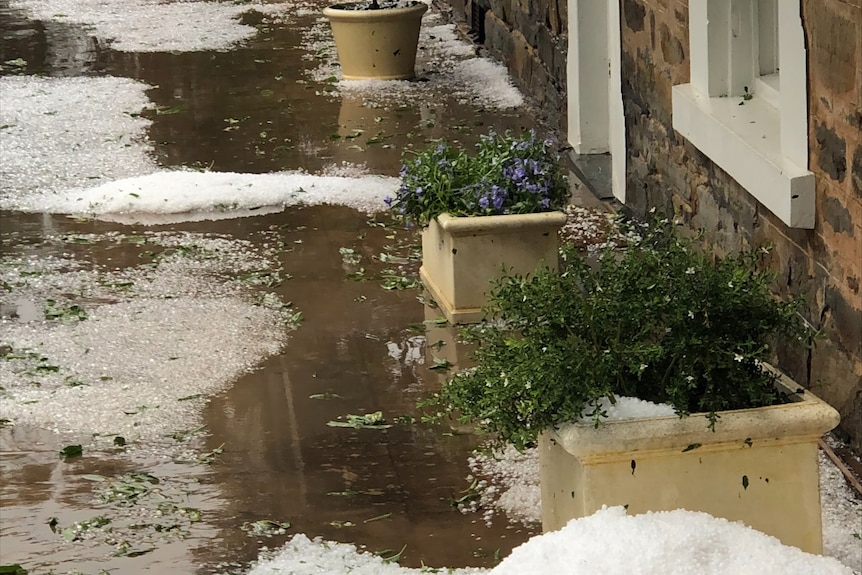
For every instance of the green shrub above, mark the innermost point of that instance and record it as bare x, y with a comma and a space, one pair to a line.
659, 321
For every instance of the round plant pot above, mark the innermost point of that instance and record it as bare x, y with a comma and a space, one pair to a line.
376, 44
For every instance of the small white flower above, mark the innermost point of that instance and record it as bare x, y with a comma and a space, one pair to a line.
690, 271
643, 366
738, 357
689, 378
690, 314
730, 285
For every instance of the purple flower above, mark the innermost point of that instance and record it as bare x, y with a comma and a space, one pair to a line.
419, 191
483, 202
520, 174
499, 196
388, 201
545, 203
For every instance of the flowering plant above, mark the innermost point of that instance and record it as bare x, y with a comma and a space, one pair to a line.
660, 322
506, 175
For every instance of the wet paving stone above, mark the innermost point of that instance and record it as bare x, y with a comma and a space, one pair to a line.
258, 109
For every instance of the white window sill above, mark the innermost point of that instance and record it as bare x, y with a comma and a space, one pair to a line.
745, 141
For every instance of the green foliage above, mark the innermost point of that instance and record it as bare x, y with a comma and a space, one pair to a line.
658, 321
506, 175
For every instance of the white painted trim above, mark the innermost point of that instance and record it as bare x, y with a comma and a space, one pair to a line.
744, 141
793, 93
699, 46
587, 73
768, 89
762, 144
616, 113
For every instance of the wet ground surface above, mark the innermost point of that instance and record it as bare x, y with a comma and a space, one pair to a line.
256, 109
364, 348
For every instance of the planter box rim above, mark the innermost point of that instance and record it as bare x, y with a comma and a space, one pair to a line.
465, 225
336, 12
809, 417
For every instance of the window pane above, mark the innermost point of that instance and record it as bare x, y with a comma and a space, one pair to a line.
767, 33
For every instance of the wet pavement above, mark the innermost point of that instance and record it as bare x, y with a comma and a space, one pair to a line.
365, 348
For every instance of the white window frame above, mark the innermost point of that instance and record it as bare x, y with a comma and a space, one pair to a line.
596, 122
761, 142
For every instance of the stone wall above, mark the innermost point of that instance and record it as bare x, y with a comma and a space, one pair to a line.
529, 37
823, 264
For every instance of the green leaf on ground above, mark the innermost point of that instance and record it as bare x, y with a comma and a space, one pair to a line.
441, 364
326, 395
368, 421
72, 451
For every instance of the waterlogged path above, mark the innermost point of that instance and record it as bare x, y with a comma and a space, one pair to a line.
198, 364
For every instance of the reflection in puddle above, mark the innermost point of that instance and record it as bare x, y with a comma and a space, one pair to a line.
256, 110
275, 457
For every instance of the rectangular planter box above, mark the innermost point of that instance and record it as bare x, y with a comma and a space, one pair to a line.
461, 256
759, 467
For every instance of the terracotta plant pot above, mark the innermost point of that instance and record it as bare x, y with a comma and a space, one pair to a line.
376, 44
462, 256
759, 466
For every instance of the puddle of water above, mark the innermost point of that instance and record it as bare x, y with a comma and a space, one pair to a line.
257, 110
285, 463
281, 460
39, 488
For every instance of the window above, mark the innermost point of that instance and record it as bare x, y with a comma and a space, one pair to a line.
746, 106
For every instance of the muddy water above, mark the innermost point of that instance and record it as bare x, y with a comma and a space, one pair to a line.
365, 347
257, 110
355, 344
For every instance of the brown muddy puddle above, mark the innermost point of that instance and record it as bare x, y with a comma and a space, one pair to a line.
360, 349
256, 109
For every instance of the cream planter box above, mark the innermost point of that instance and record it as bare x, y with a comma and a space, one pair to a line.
759, 467
462, 256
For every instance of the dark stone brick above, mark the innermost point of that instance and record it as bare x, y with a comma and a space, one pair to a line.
501, 9
671, 48
652, 30
634, 14
498, 38
856, 170
831, 152
525, 19
545, 47
838, 216
832, 45
847, 319
559, 70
